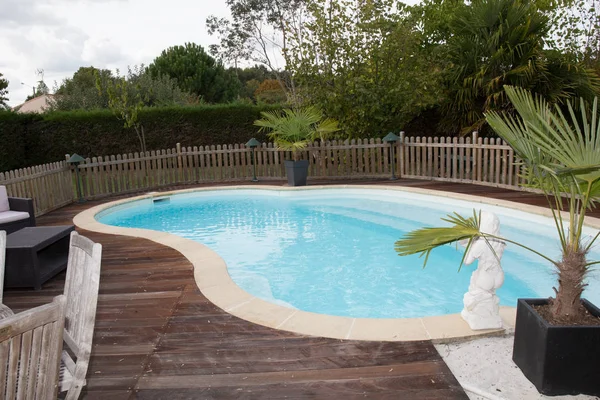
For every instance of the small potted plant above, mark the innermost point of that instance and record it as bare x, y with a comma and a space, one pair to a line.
557, 340
293, 130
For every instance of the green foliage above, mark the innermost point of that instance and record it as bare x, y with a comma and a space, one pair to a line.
560, 156
42, 138
500, 42
80, 93
257, 72
158, 91
365, 65
295, 129
3, 93
270, 91
576, 30
196, 72
251, 78
88, 89
39, 90
125, 101
434, 17
423, 241
13, 130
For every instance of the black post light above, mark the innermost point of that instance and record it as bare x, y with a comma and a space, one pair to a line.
75, 160
253, 144
392, 138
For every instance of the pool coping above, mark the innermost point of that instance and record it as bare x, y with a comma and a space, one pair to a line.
213, 280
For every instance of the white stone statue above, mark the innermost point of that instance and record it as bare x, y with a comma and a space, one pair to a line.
481, 303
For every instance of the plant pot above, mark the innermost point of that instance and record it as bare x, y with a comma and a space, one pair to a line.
296, 171
558, 360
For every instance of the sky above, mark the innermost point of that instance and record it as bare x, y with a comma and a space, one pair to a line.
59, 36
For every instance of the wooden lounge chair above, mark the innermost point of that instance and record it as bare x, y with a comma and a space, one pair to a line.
15, 212
81, 289
30, 347
5, 312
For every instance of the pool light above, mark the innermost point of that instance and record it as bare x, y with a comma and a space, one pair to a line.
253, 143
75, 160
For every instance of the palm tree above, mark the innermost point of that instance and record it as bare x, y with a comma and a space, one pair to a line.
295, 129
501, 42
560, 155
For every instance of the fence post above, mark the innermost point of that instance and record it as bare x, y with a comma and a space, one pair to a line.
179, 162
474, 156
400, 154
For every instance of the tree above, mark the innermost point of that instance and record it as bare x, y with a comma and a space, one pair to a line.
80, 92
259, 31
3, 93
125, 101
364, 65
196, 72
576, 30
250, 78
559, 154
269, 91
157, 91
501, 42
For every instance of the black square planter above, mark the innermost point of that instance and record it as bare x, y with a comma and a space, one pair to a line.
558, 360
296, 171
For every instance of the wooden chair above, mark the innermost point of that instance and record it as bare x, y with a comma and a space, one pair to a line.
81, 289
30, 348
5, 312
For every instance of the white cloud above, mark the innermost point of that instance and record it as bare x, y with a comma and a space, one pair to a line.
60, 36
101, 51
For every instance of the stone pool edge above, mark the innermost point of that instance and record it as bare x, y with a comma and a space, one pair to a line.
213, 280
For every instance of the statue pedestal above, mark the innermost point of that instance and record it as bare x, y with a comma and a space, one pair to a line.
485, 314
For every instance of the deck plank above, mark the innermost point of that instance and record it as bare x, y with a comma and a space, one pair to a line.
158, 337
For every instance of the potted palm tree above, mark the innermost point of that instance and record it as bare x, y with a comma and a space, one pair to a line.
557, 340
293, 130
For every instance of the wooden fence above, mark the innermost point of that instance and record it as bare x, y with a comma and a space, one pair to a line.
473, 159
50, 185
470, 160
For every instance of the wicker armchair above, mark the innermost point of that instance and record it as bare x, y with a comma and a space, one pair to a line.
15, 212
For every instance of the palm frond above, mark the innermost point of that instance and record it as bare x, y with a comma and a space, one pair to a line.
294, 129
423, 241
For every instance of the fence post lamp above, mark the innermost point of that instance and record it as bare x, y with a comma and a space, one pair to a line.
392, 138
253, 143
75, 160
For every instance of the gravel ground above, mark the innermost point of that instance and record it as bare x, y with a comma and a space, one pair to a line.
485, 366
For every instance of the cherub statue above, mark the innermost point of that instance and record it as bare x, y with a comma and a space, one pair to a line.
481, 303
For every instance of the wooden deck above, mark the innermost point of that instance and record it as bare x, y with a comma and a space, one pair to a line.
158, 337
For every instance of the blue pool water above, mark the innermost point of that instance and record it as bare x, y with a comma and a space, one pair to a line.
331, 251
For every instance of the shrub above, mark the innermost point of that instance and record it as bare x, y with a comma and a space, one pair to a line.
30, 139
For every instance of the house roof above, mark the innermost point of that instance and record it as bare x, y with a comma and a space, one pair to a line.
36, 105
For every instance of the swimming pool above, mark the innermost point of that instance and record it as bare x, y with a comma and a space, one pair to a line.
330, 251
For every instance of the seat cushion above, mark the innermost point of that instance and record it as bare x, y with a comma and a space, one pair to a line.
12, 216
4, 206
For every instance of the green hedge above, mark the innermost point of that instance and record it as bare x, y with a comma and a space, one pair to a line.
27, 139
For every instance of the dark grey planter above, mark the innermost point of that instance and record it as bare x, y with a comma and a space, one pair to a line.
296, 171
558, 360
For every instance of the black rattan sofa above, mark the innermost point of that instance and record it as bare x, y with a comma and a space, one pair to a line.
15, 212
